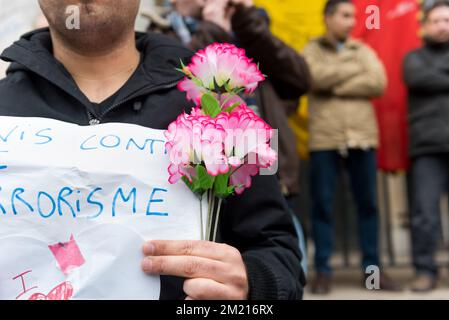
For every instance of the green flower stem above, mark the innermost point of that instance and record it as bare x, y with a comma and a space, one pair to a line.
217, 216
210, 214
201, 217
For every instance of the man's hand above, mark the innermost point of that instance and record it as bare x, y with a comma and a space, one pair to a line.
214, 271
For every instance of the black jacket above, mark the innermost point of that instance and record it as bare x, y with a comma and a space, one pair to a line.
257, 222
426, 73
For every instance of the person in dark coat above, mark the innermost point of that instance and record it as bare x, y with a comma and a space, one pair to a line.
426, 73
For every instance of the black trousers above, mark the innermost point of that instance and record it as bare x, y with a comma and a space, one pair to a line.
429, 180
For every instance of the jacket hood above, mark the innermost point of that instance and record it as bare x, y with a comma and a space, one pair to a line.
161, 56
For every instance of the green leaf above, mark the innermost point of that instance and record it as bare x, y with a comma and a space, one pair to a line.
221, 188
188, 183
237, 91
210, 105
197, 81
182, 63
228, 87
197, 186
194, 186
231, 108
221, 184
205, 180
182, 67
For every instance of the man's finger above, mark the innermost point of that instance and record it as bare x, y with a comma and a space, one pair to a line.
205, 249
186, 267
207, 289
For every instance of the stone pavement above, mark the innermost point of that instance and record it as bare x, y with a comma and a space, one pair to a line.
347, 285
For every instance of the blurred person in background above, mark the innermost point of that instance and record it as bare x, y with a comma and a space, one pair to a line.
198, 23
426, 73
346, 74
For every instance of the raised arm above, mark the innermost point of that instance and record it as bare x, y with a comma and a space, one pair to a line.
282, 64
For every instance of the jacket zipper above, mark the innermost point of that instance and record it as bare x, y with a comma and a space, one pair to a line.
95, 121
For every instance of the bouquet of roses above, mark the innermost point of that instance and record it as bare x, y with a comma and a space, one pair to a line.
222, 143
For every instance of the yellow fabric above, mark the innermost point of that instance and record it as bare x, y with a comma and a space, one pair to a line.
296, 22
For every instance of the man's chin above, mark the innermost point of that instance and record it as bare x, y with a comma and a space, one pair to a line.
91, 40
443, 39
92, 8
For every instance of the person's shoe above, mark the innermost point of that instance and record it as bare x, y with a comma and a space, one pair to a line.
386, 283
321, 284
423, 283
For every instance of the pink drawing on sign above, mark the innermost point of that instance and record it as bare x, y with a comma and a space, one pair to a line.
24, 288
64, 291
68, 255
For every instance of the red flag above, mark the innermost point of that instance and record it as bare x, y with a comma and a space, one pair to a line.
397, 34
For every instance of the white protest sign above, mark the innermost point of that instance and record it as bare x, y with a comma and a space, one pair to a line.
77, 204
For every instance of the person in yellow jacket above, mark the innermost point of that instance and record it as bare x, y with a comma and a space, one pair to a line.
346, 74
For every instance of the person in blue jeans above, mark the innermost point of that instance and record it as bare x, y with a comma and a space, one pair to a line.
426, 73
325, 169
346, 75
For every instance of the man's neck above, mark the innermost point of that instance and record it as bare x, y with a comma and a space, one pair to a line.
100, 75
333, 40
436, 45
